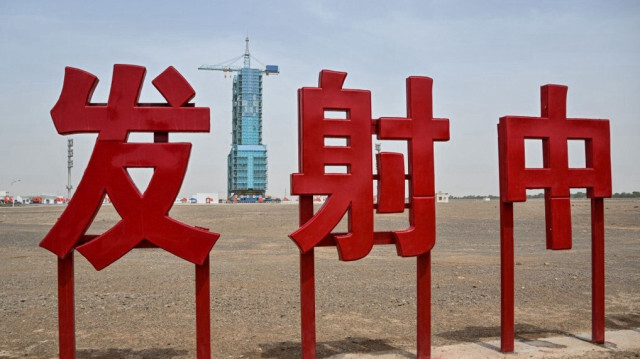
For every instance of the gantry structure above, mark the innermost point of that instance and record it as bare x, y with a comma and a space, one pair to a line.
247, 159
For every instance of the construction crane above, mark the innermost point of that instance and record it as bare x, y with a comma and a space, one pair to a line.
227, 65
247, 159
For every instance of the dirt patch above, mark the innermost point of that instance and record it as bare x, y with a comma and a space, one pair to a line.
143, 305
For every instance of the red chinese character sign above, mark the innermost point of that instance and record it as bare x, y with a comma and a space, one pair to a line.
145, 217
556, 178
351, 193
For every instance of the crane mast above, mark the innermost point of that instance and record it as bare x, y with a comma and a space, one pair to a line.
268, 70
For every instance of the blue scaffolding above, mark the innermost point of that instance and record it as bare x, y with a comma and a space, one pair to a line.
247, 160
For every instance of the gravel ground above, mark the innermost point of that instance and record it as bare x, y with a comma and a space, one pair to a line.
142, 306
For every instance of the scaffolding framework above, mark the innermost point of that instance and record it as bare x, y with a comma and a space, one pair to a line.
247, 159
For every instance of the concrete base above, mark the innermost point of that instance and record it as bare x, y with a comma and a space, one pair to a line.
551, 347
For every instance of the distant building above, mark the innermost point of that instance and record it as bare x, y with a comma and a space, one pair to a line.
442, 197
320, 199
247, 159
206, 198
48, 199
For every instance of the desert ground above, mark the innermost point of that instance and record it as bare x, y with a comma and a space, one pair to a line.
142, 306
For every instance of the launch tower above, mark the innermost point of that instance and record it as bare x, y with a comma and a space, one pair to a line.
247, 160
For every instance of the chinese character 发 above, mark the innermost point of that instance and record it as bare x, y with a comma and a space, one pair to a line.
145, 216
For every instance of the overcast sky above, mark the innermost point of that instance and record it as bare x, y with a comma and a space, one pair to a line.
487, 58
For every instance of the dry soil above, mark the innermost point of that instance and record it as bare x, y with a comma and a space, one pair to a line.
142, 306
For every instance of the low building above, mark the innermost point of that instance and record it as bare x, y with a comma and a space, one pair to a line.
442, 197
206, 198
48, 199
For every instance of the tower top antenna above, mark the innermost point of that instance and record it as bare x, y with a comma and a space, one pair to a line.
247, 56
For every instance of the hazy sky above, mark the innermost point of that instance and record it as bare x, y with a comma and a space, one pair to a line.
487, 58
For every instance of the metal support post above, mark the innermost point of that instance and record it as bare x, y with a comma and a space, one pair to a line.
307, 288
203, 310
66, 311
424, 305
597, 270
507, 335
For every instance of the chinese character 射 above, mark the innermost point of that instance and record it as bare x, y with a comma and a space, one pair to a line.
352, 191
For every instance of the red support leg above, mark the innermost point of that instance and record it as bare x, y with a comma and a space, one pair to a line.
308, 305
66, 308
203, 311
506, 278
424, 305
597, 270
307, 288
